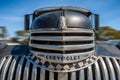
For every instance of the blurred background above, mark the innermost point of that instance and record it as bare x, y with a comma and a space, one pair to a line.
13, 11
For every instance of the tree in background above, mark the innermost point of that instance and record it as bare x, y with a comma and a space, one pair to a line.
107, 33
21, 37
3, 32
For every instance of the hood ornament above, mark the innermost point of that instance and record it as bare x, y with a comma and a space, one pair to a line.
62, 23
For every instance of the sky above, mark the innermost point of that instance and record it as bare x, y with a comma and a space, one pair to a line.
12, 11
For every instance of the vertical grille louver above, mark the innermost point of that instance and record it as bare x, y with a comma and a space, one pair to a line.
104, 69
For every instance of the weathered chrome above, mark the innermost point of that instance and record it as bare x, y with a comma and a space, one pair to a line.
61, 51
56, 30
62, 76
97, 71
116, 67
62, 23
2, 61
41, 50
34, 73
19, 69
105, 68
51, 75
81, 74
5, 68
73, 75
45, 55
110, 69
42, 74
12, 68
62, 47
59, 38
89, 73
26, 71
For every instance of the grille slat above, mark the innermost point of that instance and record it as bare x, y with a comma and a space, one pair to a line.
62, 47
51, 75
97, 71
69, 30
62, 52
110, 69
89, 73
116, 67
82, 76
42, 74
12, 68
34, 73
60, 38
19, 68
73, 75
62, 34
61, 42
4, 71
2, 61
103, 68
26, 71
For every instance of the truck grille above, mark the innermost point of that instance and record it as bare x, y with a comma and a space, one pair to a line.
20, 68
70, 41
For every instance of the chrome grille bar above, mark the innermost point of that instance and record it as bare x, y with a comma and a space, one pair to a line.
89, 73
26, 71
42, 74
102, 69
44, 55
110, 69
69, 30
97, 71
59, 38
82, 75
12, 68
19, 69
34, 73
5, 68
62, 47
116, 67
2, 61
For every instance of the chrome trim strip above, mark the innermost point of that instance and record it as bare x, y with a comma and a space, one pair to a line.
110, 69
2, 62
12, 68
19, 69
5, 68
34, 73
97, 71
104, 69
62, 47
56, 30
73, 75
42, 74
62, 38
89, 73
82, 74
51, 75
45, 56
58, 54
26, 71
116, 67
